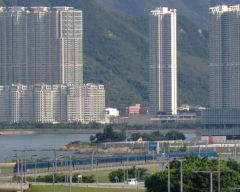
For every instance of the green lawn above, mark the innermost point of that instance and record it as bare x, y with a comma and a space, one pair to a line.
102, 175
6, 169
76, 189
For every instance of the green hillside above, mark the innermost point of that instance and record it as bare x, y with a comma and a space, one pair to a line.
116, 53
197, 10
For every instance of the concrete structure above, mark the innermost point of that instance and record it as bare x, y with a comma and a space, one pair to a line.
52, 103
222, 118
111, 114
13, 187
221, 122
41, 45
163, 61
133, 110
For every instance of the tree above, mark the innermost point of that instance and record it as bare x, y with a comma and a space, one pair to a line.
118, 173
134, 172
108, 135
198, 182
174, 135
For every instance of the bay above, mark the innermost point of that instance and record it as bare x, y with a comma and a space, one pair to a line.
12, 145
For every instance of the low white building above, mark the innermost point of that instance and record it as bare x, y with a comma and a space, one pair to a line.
111, 113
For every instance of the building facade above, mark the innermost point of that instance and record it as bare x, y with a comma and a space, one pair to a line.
41, 67
224, 57
41, 45
163, 61
52, 103
223, 116
133, 110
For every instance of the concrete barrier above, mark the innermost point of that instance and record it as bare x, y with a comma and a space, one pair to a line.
7, 164
13, 187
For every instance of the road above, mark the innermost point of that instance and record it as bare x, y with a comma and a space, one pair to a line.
140, 185
76, 169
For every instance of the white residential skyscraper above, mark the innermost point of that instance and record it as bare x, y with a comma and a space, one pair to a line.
223, 117
163, 61
225, 57
41, 45
41, 67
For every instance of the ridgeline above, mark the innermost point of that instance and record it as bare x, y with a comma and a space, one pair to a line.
116, 53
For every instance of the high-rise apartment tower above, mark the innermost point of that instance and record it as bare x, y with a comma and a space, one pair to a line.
223, 117
41, 45
225, 57
163, 61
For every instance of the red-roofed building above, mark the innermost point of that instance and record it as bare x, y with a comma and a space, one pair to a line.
133, 110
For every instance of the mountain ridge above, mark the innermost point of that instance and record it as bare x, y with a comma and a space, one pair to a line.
115, 48
196, 10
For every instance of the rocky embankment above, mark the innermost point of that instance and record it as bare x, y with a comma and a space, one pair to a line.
87, 148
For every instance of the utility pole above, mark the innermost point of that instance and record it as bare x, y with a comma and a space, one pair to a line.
53, 182
54, 168
167, 160
127, 164
25, 166
124, 177
92, 160
70, 174
211, 183
211, 187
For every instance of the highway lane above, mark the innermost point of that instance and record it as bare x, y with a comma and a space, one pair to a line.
140, 185
77, 169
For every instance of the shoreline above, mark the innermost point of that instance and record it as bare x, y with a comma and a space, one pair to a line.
86, 131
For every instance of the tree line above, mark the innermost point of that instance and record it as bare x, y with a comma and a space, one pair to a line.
157, 135
94, 125
109, 135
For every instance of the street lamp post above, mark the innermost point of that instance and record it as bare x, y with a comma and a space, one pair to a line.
167, 160
24, 161
21, 175
211, 176
25, 165
181, 173
35, 167
17, 162
169, 179
219, 175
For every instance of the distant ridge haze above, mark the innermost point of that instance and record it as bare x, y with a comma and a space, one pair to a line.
197, 10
